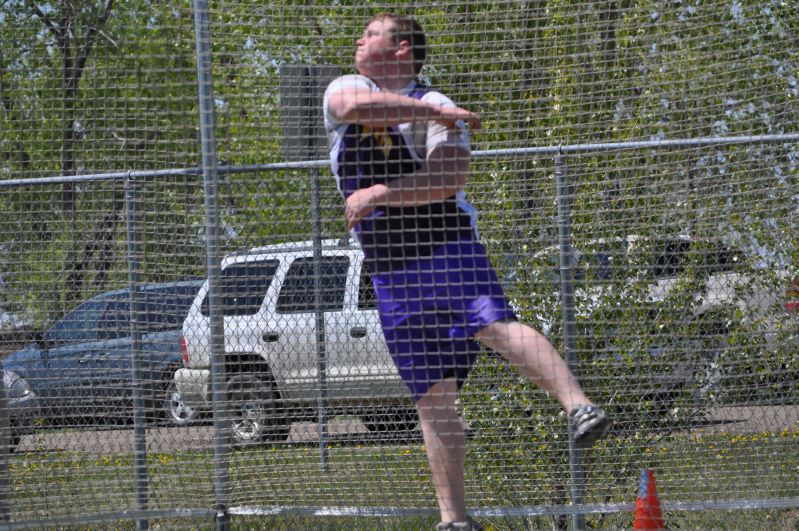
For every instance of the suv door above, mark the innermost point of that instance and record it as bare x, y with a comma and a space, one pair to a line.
245, 286
73, 345
289, 342
365, 365
110, 366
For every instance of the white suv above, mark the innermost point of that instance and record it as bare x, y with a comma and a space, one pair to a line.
271, 354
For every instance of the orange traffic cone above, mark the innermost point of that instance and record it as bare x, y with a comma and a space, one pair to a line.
647, 507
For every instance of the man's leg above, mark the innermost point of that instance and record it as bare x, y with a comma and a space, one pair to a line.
536, 358
445, 443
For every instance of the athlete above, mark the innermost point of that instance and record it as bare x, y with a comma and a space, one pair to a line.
401, 155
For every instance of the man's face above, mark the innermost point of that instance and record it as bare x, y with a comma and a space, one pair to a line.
376, 48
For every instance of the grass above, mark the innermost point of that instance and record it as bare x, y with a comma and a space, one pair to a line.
687, 467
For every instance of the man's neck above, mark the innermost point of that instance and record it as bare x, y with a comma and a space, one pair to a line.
391, 79
393, 83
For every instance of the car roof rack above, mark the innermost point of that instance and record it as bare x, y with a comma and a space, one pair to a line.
347, 242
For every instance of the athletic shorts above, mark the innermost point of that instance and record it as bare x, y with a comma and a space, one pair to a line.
431, 309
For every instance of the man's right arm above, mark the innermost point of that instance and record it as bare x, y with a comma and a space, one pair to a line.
384, 109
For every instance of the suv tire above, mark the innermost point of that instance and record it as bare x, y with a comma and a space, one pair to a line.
254, 412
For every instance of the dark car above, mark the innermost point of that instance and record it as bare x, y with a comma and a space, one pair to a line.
82, 367
22, 406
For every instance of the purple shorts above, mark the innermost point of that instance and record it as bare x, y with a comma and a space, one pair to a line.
431, 309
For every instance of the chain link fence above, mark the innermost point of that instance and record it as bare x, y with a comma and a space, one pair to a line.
189, 334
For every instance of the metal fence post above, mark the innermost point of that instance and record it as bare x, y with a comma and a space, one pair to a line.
569, 322
5, 451
321, 350
303, 137
210, 187
139, 415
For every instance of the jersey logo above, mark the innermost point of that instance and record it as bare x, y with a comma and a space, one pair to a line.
381, 138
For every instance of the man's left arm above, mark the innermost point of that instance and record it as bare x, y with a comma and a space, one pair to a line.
446, 172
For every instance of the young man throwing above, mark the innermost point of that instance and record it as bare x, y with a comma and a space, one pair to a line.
400, 153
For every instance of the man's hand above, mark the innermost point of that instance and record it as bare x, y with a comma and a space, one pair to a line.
450, 115
446, 173
362, 202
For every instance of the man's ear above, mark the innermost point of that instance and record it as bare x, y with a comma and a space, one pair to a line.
404, 50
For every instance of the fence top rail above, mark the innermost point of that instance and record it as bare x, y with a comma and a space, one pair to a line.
509, 153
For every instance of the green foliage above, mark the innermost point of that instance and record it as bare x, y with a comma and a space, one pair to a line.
666, 328
552, 73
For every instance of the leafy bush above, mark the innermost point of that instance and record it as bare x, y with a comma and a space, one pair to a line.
666, 327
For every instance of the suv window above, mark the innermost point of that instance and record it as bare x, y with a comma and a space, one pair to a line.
723, 258
297, 293
669, 258
244, 287
713, 257
599, 267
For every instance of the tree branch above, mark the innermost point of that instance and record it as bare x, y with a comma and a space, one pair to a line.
8, 110
91, 35
47, 21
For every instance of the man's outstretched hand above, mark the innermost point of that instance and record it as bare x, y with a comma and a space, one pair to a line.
449, 116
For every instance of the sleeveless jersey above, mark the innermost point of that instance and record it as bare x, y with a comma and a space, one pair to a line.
391, 236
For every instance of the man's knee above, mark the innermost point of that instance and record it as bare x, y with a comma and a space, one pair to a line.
439, 400
495, 335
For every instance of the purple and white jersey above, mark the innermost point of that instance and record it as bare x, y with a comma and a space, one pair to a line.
361, 156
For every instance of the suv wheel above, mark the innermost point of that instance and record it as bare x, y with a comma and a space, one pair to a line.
695, 372
253, 411
177, 412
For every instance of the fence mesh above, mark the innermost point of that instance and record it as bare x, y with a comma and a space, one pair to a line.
682, 256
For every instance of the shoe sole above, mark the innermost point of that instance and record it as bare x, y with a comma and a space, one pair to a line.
593, 434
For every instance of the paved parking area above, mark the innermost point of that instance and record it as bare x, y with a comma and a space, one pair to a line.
164, 439
748, 419
751, 419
